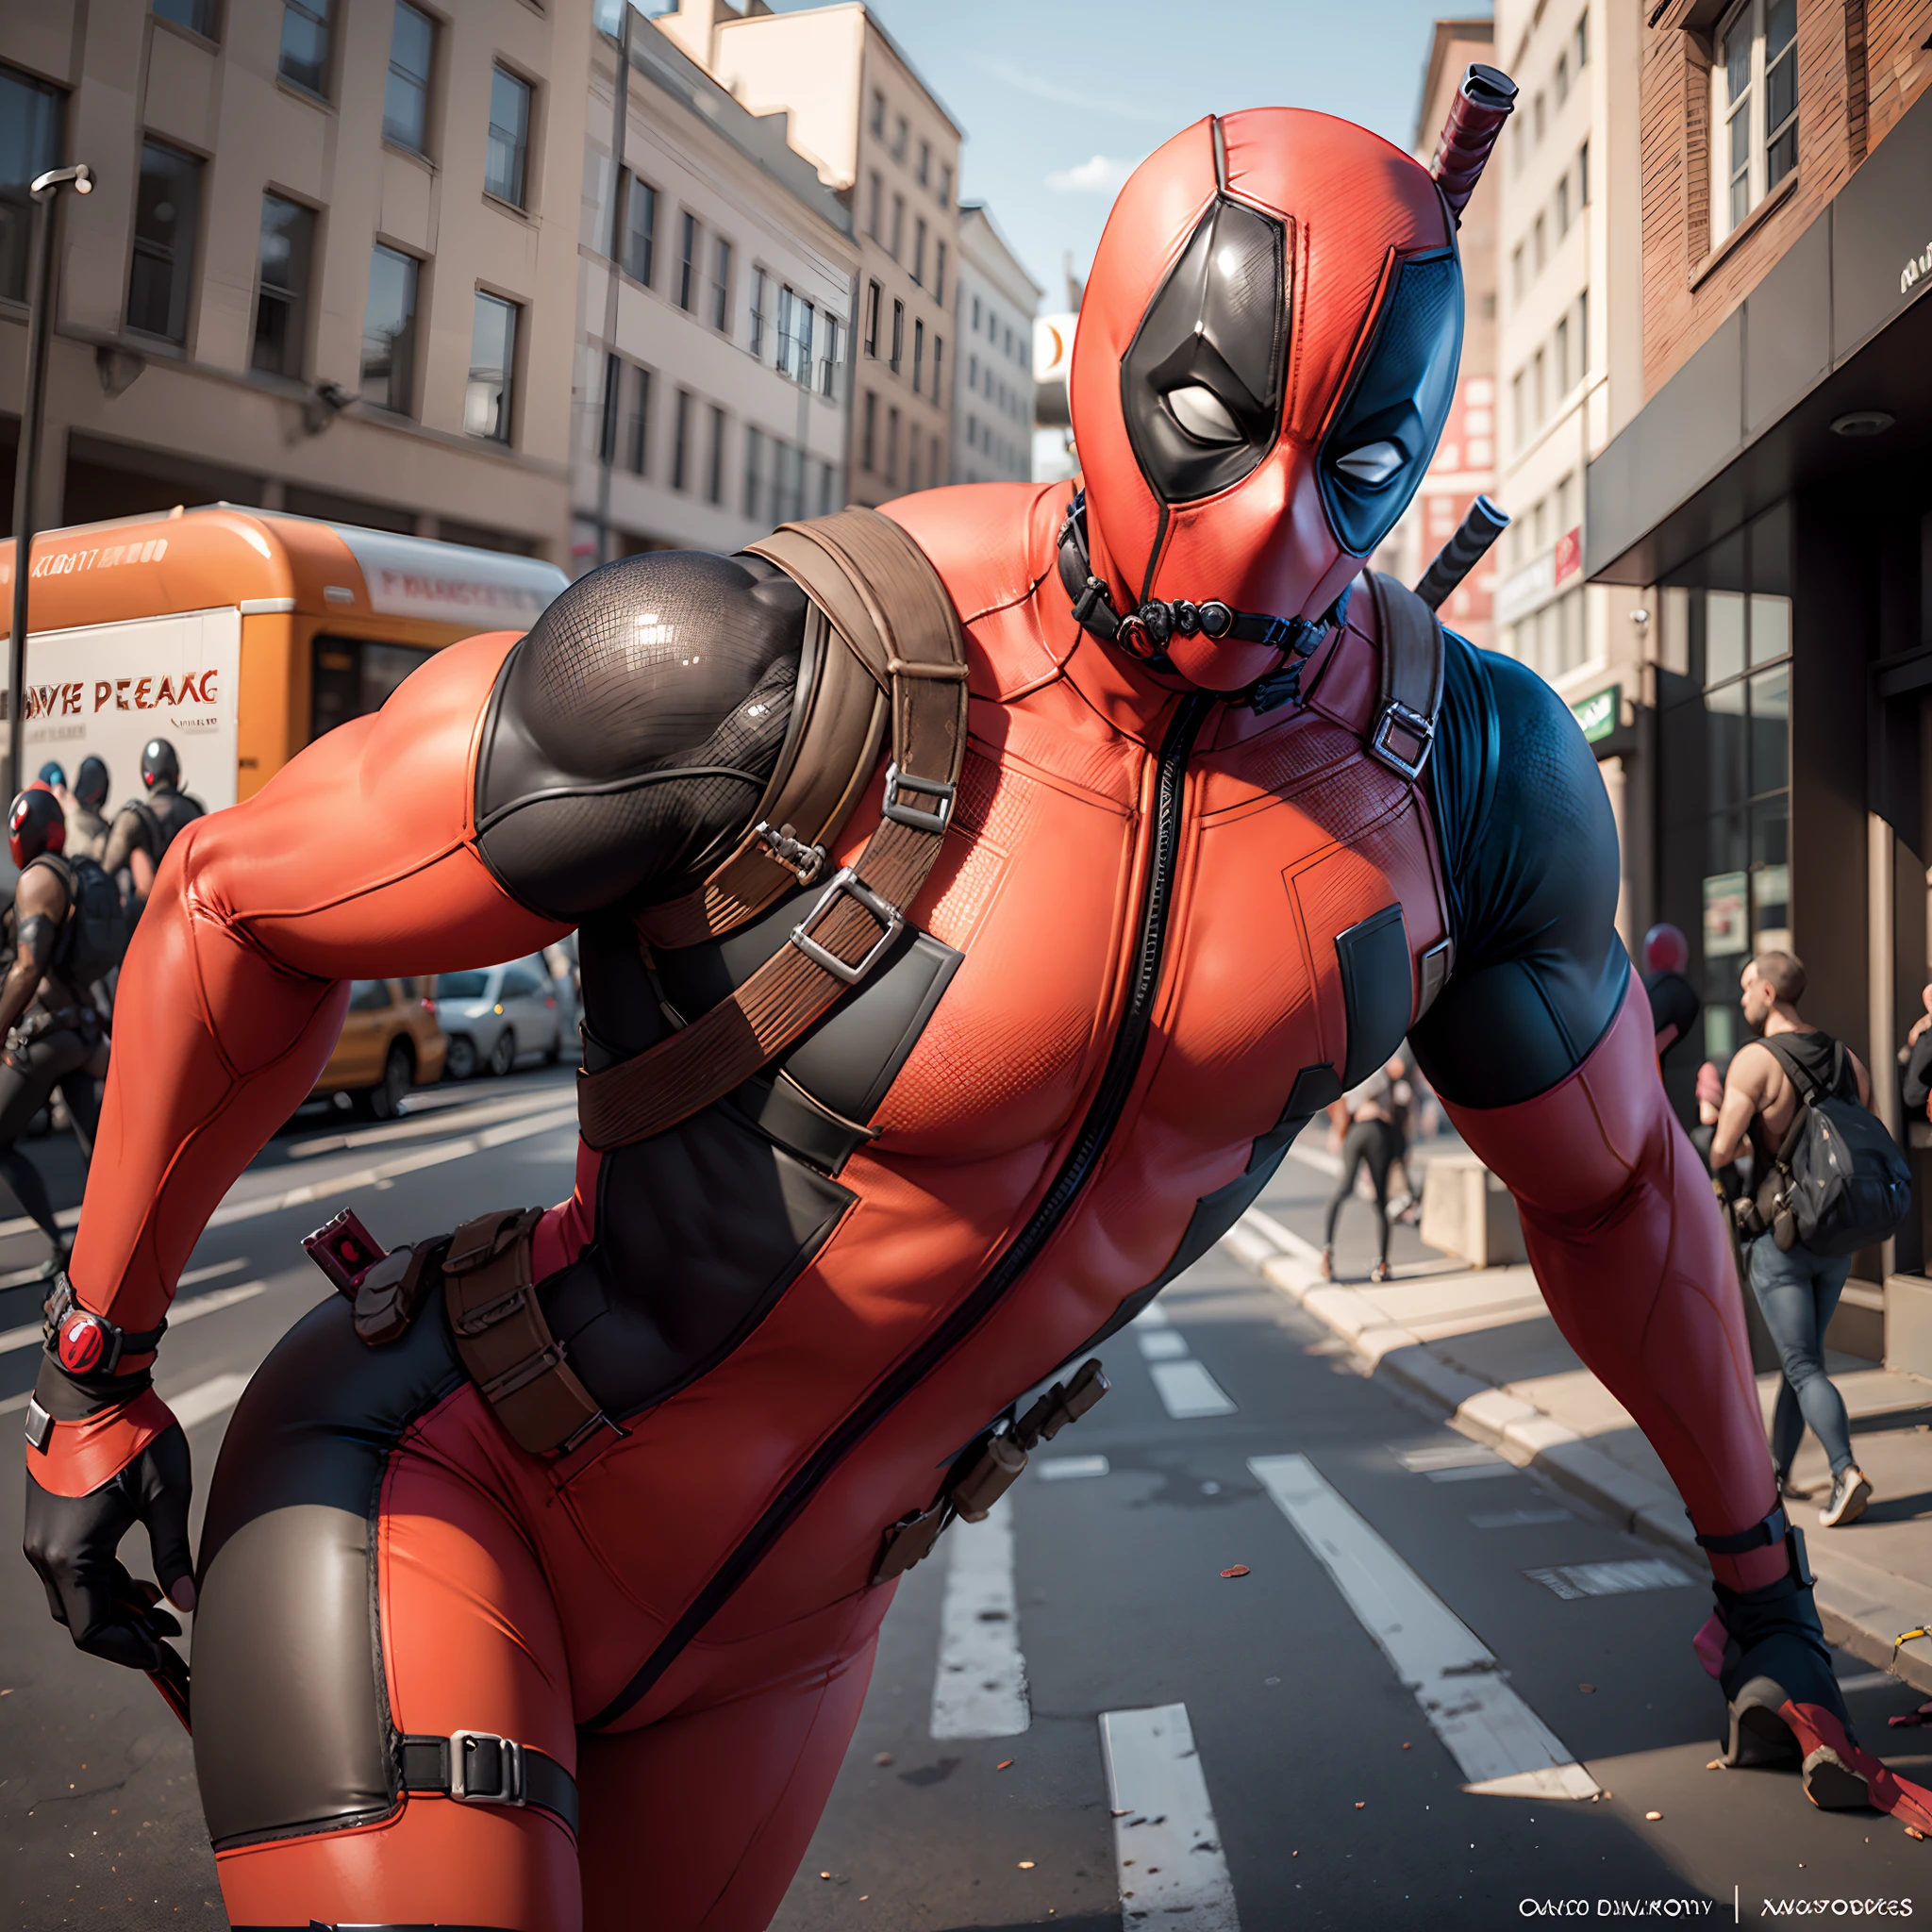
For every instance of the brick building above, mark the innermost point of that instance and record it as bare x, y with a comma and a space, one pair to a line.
1772, 502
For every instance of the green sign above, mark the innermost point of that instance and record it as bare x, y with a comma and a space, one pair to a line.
1599, 713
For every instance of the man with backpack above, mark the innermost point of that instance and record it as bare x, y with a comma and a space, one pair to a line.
81, 804
143, 828
66, 934
1827, 1180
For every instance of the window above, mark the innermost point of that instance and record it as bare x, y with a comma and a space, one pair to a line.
898, 242
166, 207
680, 440
304, 57
1583, 175
721, 286
1563, 206
30, 113
973, 373
492, 364
933, 459
879, 203
714, 468
1581, 41
938, 271
892, 446
925, 164
918, 354
1562, 77
939, 352
638, 459
758, 314
606, 423
389, 331
1754, 111
871, 319
912, 461
753, 468
789, 483
788, 324
918, 250
370, 996
405, 94
1540, 394
639, 245
868, 442
899, 133
509, 137
197, 16
1583, 335
286, 242
976, 315
898, 335
830, 384
1539, 251
801, 367
1519, 423
878, 114
1518, 275
1562, 354
688, 263
825, 503
947, 184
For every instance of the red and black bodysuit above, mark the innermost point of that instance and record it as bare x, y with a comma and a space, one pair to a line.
1181, 904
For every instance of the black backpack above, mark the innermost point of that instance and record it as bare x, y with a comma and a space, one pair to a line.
95, 935
1841, 1182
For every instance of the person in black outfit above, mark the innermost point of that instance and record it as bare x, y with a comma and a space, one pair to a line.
1373, 1141
1915, 1062
143, 828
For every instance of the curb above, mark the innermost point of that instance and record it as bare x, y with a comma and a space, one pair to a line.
1860, 1606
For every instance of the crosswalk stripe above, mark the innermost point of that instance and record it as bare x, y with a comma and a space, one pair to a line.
205, 1400
1503, 1747
1188, 1392
1166, 1846
979, 1689
29, 1337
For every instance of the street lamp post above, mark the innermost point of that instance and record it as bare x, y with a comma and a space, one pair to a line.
38, 298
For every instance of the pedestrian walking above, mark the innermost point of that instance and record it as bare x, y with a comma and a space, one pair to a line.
1797, 1291
80, 802
1372, 1140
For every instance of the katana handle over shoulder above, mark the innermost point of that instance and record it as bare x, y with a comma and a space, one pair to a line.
1485, 99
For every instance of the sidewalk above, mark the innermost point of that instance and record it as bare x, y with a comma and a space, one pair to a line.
1480, 1346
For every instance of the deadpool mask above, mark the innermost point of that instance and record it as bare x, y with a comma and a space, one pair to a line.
1265, 357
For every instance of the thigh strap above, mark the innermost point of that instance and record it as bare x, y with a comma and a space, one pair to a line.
480, 1768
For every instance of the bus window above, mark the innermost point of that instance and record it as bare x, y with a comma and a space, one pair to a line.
354, 677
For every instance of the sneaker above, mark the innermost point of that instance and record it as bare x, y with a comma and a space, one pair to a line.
1849, 1492
1327, 1264
1380, 1272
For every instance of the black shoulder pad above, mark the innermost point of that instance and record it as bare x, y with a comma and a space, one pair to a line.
632, 731
1529, 848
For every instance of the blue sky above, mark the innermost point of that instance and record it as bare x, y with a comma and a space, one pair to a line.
1060, 101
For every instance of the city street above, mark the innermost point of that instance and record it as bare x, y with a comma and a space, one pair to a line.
1260, 1736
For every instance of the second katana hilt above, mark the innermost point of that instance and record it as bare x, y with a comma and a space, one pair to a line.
1484, 524
1485, 100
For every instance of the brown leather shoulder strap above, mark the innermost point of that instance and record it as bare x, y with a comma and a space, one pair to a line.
1412, 672
889, 609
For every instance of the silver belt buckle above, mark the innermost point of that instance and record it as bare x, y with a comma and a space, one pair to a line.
508, 1788
889, 916
900, 814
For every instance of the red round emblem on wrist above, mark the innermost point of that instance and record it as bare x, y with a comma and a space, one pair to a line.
83, 1342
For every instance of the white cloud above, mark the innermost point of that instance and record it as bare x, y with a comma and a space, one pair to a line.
1102, 174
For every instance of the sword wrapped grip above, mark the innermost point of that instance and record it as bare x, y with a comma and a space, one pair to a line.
1485, 100
1484, 524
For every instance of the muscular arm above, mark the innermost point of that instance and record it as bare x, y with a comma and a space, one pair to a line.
40, 904
127, 846
1746, 1089
1542, 1050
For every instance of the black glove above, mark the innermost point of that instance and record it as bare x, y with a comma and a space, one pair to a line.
72, 1542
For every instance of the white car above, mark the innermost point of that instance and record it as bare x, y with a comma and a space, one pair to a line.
493, 1014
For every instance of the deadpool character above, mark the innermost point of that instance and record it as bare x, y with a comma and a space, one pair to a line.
1674, 1004
1231, 819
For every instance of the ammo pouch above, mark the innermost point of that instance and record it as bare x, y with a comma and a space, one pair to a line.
986, 1470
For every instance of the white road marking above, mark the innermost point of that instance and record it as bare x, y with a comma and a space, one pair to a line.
1504, 1748
1187, 1391
1166, 1846
1477, 1471
979, 1690
1162, 1346
1444, 1455
1576, 1580
194, 1277
1061, 1469
1518, 1519
1284, 1239
1872, 1680
205, 1400
29, 1337
1151, 1316
415, 1126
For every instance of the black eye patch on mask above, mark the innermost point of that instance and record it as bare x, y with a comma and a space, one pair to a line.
1386, 430
1202, 381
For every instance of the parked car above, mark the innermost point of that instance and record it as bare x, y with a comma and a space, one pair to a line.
494, 1014
389, 1042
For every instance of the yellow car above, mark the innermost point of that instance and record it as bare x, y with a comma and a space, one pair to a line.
389, 1042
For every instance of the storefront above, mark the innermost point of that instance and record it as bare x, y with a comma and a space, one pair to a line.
1775, 501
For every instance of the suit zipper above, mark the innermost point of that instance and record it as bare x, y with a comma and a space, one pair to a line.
1103, 1116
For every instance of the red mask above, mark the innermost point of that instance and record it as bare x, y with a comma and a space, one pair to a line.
1266, 356
36, 823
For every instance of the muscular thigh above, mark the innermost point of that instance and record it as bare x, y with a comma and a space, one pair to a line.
29, 1075
354, 1593
697, 1822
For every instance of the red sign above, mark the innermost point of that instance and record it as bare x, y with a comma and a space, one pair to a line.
1569, 554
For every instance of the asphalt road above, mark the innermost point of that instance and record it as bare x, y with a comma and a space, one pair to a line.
1115, 1715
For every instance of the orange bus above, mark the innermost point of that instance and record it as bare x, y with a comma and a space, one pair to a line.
239, 634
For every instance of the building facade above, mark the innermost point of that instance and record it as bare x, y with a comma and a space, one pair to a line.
1463, 467
716, 275
878, 135
325, 267
992, 371
1772, 506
